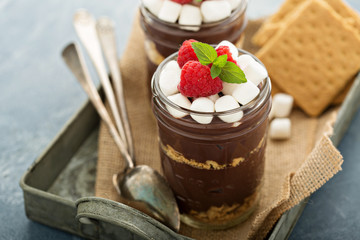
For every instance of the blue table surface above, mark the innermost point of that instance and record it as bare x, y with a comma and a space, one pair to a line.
38, 95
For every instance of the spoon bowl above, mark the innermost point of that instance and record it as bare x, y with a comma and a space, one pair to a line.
142, 183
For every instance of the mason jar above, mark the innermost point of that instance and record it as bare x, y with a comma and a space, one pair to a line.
215, 170
164, 38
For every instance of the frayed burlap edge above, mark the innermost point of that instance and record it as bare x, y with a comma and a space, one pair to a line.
322, 164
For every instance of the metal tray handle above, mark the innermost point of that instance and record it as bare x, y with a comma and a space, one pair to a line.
94, 211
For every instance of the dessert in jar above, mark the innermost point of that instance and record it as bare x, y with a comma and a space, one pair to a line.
212, 106
168, 23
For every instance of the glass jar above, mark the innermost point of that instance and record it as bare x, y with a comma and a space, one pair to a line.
215, 170
163, 38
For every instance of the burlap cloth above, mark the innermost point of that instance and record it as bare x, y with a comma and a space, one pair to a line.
294, 168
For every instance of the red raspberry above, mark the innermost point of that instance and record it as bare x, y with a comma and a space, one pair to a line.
196, 81
182, 1
186, 53
222, 50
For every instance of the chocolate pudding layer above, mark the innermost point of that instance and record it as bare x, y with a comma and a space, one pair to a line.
215, 170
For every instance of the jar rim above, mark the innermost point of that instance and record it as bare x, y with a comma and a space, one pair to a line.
241, 9
252, 106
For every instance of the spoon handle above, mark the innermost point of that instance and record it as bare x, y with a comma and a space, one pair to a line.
106, 33
75, 61
84, 24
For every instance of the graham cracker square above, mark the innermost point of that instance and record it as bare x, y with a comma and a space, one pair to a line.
275, 21
313, 56
339, 99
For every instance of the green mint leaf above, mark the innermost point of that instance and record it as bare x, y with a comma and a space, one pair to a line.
231, 73
198, 0
204, 52
215, 71
221, 61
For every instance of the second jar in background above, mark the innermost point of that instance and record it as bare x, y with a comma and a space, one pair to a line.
164, 38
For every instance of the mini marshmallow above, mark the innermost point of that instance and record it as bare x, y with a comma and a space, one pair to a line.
202, 104
213, 11
170, 78
255, 73
245, 92
170, 11
282, 105
213, 97
226, 103
181, 101
243, 60
190, 15
234, 3
153, 6
228, 88
233, 49
280, 129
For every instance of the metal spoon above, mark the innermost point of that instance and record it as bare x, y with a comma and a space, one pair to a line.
106, 34
84, 25
76, 63
142, 187
129, 184
140, 183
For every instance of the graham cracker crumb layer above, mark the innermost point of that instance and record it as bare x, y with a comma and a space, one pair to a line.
209, 164
225, 213
152, 53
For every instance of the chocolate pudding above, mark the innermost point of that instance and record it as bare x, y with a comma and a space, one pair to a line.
216, 169
164, 38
